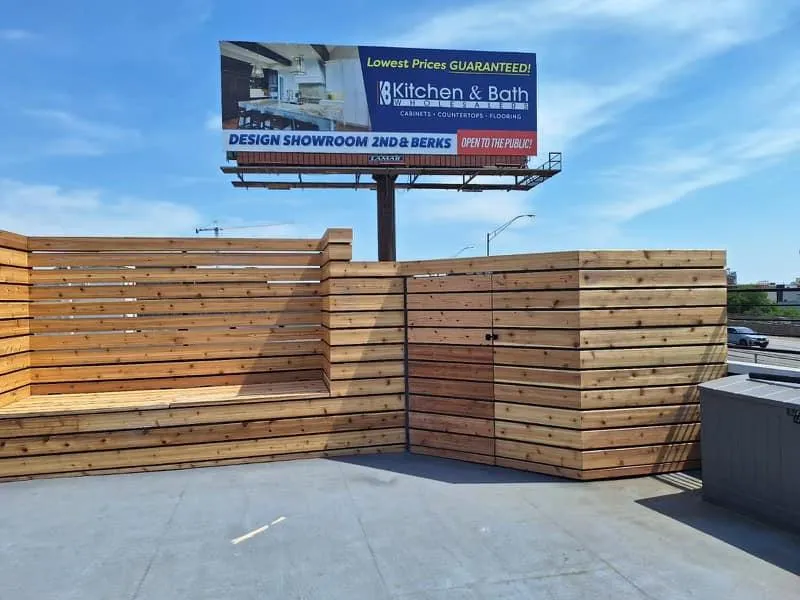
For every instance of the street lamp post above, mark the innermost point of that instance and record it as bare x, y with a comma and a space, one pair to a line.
463, 249
493, 234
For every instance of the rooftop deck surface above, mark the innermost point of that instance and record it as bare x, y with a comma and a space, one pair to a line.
385, 527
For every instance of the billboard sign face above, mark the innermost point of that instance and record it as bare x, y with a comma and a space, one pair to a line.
377, 100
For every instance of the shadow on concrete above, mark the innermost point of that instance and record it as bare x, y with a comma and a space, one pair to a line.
445, 469
758, 539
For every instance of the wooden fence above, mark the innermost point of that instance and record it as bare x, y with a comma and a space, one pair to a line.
141, 354
581, 364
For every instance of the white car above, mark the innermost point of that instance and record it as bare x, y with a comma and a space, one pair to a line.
746, 337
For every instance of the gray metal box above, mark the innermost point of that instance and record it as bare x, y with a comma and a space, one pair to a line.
751, 447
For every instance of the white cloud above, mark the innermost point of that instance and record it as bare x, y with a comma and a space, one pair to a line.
77, 136
42, 209
15, 35
638, 46
770, 134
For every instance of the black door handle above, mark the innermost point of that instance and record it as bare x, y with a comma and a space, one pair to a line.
490, 336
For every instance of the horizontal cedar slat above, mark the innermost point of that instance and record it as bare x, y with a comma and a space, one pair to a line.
227, 305
14, 275
175, 259
14, 292
241, 275
442, 335
652, 278
632, 417
376, 335
176, 382
145, 291
645, 396
649, 317
541, 319
362, 269
451, 406
142, 354
538, 376
142, 244
538, 453
556, 338
523, 300
631, 298
538, 434
13, 241
545, 261
450, 318
13, 395
645, 259
645, 357
341, 354
537, 395
545, 280
389, 285
454, 389
386, 318
14, 362
172, 369
448, 424
14, 327
541, 415
161, 437
450, 283
104, 459
265, 335
673, 336
54, 325
364, 387
363, 302
229, 412
12, 380
466, 301
14, 310
481, 355
641, 455
632, 377
537, 357
446, 370
641, 436
12, 345
13, 258
364, 370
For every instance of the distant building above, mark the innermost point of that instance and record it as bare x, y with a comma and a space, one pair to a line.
764, 284
732, 279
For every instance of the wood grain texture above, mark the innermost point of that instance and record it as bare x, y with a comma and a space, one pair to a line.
451, 283
163, 307
451, 406
648, 259
452, 441
174, 259
655, 278
450, 318
451, 424
466, 301
172, 276
145, 244
150, 291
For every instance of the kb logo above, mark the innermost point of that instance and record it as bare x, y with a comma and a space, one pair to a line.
385, 92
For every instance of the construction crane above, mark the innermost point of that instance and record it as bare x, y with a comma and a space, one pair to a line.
217, 228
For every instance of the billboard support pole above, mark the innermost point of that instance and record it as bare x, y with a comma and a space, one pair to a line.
387, 243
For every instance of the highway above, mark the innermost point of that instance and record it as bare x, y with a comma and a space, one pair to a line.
784, 344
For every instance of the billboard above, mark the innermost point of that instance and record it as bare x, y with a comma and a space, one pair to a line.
377, 100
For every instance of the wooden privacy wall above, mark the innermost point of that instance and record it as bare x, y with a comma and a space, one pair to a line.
580, 364
14, 318
364, 331
112, 314
251, 310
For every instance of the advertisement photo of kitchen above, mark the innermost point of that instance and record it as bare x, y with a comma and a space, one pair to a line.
292, 87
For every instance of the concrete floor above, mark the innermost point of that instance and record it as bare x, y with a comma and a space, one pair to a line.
373, 528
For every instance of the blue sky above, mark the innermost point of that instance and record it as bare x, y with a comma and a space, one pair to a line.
679, 122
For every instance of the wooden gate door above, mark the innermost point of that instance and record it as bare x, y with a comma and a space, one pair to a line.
450, 366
